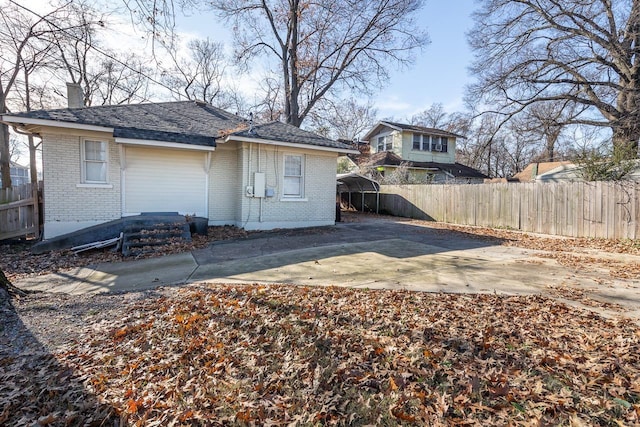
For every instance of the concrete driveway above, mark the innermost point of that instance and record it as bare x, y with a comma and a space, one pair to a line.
378, 253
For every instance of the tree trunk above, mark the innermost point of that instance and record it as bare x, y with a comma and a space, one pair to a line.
552, 137
7, 286
625, 141
5, 164
33, 167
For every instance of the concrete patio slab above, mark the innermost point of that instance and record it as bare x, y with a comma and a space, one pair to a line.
376, 255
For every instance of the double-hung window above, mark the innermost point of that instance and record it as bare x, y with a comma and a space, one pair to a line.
417, 140
444, 142
94, 162
439, 144
293, 176
385, 143
420, 142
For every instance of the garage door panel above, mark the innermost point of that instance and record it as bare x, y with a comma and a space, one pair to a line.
159, 180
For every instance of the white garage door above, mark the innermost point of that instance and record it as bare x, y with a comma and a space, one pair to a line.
164, 180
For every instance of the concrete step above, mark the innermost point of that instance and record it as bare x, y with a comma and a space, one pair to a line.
147, 236
159, 222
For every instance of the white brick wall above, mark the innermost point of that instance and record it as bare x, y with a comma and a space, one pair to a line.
318, 205
67, 206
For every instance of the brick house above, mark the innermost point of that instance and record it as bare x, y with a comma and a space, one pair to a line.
103, 163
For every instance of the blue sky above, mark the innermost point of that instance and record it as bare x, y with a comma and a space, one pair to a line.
438, 75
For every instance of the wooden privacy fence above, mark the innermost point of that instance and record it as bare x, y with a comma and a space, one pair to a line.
19, 211
577, 209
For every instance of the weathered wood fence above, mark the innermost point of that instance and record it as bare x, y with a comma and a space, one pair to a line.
578, 209
19, 211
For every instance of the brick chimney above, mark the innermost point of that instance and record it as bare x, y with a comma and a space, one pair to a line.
75, 97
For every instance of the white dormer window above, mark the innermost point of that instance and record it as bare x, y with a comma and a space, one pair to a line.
385, 143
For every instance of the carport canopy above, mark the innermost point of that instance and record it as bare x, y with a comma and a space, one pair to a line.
356, 183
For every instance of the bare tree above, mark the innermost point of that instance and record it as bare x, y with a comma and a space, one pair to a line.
343, 118
106, 77
546, 122
20, 33
199, 74
479, 149
434, 117
584, 53
320, 46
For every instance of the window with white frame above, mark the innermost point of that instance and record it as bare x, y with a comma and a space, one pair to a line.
94, 162
439, 144
417, 139
421, 142
444, 142
293, 176
385, 143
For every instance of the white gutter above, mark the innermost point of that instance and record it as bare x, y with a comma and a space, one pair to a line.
289, 144
53, 123
163, 144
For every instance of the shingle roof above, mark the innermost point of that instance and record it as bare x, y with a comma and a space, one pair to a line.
533, 170
458, 170
278, 131
185, 122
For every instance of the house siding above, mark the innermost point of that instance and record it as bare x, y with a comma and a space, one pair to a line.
396, 139
224, 185
408, 153
316, 208
69, 207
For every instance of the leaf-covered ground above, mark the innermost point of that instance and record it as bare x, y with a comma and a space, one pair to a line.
286, 355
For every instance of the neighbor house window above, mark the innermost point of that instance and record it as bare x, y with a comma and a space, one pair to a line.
444, 144
94, 162
425, 143
439, 143
421, 142
417, 140
293, 176
385, 143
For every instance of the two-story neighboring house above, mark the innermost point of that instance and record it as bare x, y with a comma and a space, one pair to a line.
19, 174
427, 154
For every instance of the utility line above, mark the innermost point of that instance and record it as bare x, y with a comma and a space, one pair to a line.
100, 51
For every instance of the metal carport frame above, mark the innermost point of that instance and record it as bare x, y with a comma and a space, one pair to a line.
353, 182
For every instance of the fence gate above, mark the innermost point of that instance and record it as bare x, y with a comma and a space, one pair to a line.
19, 211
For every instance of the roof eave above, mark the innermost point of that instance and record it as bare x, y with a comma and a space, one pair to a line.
288, 144
24, 121
163, 144
381, 123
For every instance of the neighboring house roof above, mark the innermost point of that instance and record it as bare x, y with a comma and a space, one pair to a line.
411, 128
363, 150
17, 165
185, 122
533, 170
388, 158
569, 171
